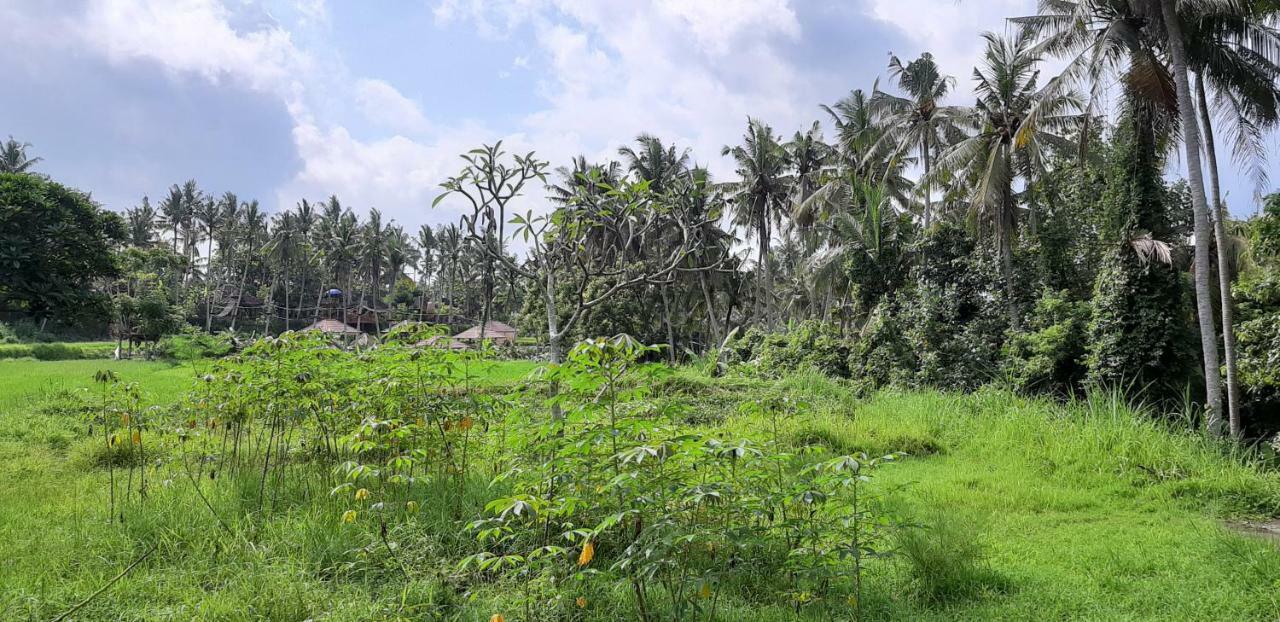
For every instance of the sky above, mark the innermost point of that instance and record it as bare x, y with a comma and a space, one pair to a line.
282, 100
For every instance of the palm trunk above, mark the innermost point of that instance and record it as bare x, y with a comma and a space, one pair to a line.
765, 286
1218, 213
208, 280
1200, 210
244, 276
713, 324
1005, 227
928, 194
666, 318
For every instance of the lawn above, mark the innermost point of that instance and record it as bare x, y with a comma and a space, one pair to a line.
1025, 510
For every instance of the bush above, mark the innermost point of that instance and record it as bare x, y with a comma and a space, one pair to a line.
810, 343
1047, 354
946, 561
881, 356
192, 344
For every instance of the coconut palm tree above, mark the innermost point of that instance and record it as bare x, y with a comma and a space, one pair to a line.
14, 158
283, 249
251, 229
759, 198
658, 164
141, 224
1007, 146
208, 214
427, 248
1200, 214
917, 122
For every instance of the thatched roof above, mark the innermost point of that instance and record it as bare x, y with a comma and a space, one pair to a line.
332, 327
492, 330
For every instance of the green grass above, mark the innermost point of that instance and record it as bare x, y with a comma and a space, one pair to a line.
1027, 510
58, 351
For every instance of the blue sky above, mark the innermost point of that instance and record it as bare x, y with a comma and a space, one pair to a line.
288, 99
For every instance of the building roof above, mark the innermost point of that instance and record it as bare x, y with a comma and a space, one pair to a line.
441, 341
333, 327
492, 330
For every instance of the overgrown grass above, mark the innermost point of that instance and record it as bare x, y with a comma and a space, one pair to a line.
58, 351
1020, 509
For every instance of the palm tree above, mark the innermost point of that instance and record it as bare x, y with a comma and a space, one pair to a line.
1200, 216
373, 255
655, 163
917, 121
208, 213
252, 226
427, 246
141, 222
810, 157
304, 221
451, 247
400, 253
14, 158
583, 177
759, 197
1008, 145
281, 250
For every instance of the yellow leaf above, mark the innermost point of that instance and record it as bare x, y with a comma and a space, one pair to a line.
588, 553
411, 507
113, 441
124, 419
137, 437
362, 494
581, 602
705, 592
349, 516
497, 617
465, 424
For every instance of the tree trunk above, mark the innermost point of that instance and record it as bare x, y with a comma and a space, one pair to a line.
765, 285
713, 324
666, 318
1005, 227
1218, 215
1200, 210
928, 194
553, 336
244, 276
208, 280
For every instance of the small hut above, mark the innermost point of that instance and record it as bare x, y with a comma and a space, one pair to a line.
443, 341
334, 328
494, 331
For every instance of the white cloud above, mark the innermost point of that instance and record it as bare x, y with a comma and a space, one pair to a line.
949, 30
383, 104
195, 36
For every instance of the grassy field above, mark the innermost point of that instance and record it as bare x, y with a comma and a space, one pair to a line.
1025, 510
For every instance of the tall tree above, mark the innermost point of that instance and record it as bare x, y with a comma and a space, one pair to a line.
1200, 213
759, 199
1008, 145
917, 121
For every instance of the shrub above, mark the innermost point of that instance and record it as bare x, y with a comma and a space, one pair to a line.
810, 343
1047, 354
945, 561
192, 344
881, 356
